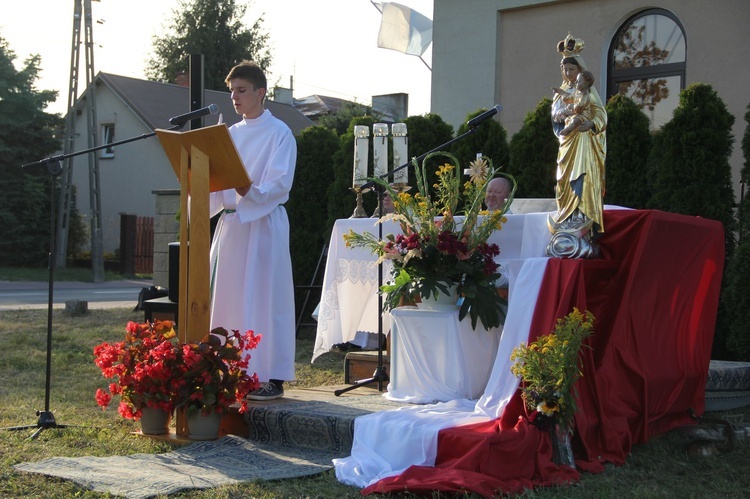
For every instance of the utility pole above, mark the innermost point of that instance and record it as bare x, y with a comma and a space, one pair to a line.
81, 9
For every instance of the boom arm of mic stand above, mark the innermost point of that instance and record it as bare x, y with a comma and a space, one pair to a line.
61, 157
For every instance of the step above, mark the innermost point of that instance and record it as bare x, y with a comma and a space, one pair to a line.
314, 419
728, 385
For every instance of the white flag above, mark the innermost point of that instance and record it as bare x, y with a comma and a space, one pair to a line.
404, 29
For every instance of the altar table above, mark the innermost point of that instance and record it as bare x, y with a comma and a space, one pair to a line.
437, 358
654, 295
349, 298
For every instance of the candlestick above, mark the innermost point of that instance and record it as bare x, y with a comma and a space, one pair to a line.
380, 148
361, 154
400, 153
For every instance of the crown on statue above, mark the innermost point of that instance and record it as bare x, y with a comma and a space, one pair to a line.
570, 46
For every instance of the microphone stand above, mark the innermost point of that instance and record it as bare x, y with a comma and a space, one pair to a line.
60, 157
54, 167
380, 375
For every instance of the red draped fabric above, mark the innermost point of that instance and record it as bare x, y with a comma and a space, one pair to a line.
654, 296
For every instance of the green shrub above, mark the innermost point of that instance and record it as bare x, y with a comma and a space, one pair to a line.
533, 154
628, 147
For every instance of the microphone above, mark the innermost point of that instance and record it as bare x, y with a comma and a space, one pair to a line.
472, 123
184, 118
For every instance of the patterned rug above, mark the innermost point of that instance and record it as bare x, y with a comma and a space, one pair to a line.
288, 438
200, 465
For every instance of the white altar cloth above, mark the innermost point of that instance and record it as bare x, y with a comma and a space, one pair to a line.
437, 358
349, 299
388, 442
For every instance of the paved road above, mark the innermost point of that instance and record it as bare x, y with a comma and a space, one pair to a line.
109, 294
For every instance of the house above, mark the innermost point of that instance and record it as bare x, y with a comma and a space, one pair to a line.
129, 173
504, 52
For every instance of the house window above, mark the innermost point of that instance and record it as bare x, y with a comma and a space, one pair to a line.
646, 62
108, 137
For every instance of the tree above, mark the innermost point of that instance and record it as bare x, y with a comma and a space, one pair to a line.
490, 139
307, 205
628, 147
340, 120
736, 292
689, 162
690, 174
341, 200
533, 154
212, 28
27, 134
426, 133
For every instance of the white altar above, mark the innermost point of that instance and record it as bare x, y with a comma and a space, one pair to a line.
437, 358
349, 299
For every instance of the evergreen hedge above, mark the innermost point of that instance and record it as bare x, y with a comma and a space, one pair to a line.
628, 147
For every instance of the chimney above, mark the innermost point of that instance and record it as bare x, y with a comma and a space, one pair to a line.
182, 79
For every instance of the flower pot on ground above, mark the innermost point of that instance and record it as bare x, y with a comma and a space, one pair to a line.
441, 246
155, 421
204, 426
146, 369
216, 373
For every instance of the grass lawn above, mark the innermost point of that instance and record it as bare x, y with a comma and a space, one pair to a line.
659, 468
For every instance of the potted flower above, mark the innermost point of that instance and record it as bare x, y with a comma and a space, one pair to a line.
215, 377
441, 248
147, 370
549, 368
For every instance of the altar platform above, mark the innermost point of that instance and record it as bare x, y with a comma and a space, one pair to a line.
654, 294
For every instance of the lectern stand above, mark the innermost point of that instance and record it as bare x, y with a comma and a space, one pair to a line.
204, 160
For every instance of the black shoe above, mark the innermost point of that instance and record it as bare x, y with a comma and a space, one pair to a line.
267, 391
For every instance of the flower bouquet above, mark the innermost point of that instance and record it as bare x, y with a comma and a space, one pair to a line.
549, 368
440, 246
147, 366
215, 372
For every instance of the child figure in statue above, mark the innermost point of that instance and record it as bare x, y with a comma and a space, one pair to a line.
577, 103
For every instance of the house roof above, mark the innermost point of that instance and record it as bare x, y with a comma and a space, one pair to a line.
315, 106
155, 102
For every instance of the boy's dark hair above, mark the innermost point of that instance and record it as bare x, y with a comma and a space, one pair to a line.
250, 71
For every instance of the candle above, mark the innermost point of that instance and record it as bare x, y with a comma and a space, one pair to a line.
361, 154
400, 153
380, 148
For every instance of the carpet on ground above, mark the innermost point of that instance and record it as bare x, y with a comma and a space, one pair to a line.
200, 465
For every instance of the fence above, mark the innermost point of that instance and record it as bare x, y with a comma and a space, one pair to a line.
136, 244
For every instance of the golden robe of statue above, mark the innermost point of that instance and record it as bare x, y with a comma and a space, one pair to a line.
580, 158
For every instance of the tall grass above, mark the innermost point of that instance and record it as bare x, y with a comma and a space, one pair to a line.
659, 468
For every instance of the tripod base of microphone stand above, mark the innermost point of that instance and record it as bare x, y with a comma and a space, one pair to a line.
380, 376
46, 420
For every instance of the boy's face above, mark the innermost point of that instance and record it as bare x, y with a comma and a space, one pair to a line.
247, 100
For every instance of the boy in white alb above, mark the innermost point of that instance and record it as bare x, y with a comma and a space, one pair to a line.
251, 268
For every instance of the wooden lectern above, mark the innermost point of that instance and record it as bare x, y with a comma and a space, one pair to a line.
204, 160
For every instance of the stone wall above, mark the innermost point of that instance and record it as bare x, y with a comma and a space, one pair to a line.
166, 230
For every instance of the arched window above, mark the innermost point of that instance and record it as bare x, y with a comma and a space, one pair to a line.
646, 62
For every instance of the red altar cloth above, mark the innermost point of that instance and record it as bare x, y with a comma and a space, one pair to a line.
654, 296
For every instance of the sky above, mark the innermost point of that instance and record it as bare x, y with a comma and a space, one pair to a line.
326, 47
